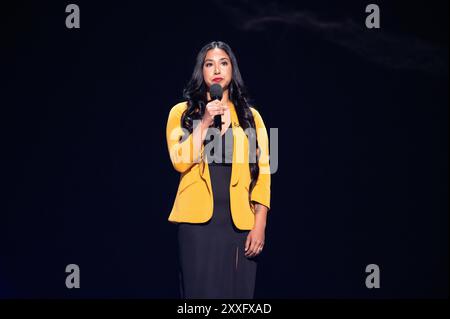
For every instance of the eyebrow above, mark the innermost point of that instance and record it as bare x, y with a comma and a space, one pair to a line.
219, 59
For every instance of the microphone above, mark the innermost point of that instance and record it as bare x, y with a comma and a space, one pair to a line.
216, 93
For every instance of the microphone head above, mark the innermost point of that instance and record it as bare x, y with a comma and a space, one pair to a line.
216, 92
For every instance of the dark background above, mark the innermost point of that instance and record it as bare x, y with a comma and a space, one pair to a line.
363, 144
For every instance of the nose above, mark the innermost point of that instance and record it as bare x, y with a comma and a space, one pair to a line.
216, 70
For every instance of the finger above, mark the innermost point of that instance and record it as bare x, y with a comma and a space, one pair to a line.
253, 248
247, 243
218, 112
214, 111
211, 107
260, 249
254, 252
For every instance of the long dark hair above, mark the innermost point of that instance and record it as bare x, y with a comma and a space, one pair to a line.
195, 94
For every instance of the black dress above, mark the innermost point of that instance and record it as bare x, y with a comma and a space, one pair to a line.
211, 254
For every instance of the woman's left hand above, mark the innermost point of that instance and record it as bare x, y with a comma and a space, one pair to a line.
255, 241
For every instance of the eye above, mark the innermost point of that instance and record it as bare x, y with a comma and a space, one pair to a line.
208, 64
225, 63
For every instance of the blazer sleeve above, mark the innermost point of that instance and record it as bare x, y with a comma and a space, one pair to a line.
261, 191
181, 152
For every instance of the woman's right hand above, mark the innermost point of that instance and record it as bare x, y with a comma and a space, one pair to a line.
212, 109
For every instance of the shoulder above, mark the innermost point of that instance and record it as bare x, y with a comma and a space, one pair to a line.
254, 110
178, 109
257, 116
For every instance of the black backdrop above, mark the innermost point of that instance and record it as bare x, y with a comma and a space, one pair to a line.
362, 117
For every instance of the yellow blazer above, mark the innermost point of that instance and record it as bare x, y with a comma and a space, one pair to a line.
194, 202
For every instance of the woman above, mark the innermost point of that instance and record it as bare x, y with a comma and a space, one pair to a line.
222, 201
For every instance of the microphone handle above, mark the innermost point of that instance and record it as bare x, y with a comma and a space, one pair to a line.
217, 118
218, 122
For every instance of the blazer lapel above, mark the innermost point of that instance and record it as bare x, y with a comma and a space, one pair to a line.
235, 128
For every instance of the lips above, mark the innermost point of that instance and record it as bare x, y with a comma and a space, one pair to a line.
215, 80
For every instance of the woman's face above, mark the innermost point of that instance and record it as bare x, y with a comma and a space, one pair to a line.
217, 68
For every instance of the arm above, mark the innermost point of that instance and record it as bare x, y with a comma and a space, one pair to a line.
261, 191
260, 196
188, 152
260, 216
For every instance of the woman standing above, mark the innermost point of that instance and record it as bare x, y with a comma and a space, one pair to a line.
224, 192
